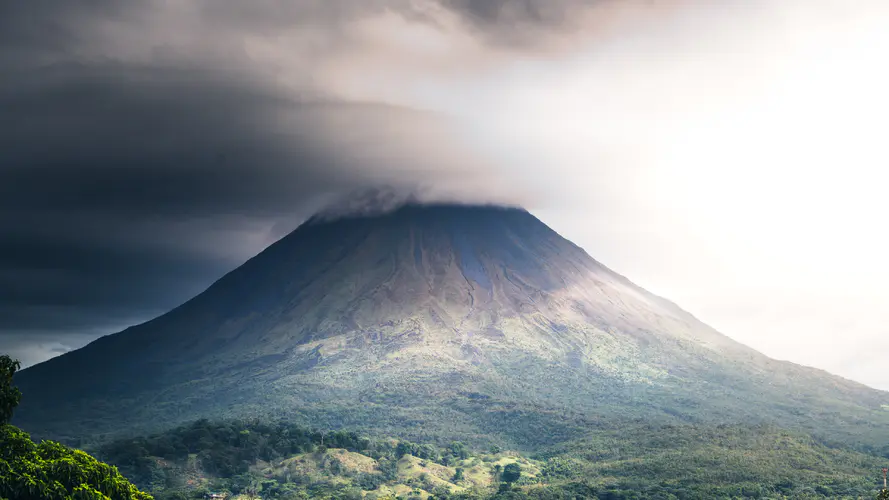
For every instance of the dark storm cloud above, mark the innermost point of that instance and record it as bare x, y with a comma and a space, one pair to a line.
144, 151
104, 165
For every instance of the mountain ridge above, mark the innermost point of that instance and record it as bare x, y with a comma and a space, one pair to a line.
386, 321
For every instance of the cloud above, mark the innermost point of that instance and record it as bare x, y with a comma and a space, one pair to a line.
149, 148
34, 347
725, 154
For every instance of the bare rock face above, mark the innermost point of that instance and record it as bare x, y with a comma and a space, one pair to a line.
445, 321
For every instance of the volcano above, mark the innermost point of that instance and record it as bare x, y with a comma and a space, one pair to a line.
434, 321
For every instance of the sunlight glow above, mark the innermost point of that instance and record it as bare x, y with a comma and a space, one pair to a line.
754, 153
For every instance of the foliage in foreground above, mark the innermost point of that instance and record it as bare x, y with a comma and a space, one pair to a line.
53, 471
49, 470
9, 394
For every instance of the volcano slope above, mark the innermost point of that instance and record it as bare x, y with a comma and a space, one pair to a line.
434, 322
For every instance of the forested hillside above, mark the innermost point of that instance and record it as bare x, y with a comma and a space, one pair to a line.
286, 461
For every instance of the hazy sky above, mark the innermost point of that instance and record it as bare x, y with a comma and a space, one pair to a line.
728, 155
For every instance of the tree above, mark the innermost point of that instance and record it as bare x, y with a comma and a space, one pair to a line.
9, 394
30, 471
511, 473
252, 491
884, 495
458, 474
458, 450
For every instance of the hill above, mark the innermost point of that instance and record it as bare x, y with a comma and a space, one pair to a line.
283, 461
436, 323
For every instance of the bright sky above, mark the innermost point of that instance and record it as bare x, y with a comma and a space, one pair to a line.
731, 158
746, 178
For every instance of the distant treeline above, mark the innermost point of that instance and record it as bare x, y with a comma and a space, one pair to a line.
668, 463
229, 448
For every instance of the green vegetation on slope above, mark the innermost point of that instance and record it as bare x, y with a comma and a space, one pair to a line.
30, 471
285, 461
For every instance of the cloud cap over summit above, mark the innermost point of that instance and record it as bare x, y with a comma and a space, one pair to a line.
719, 153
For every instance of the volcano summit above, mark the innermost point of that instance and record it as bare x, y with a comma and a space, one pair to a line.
444, 321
